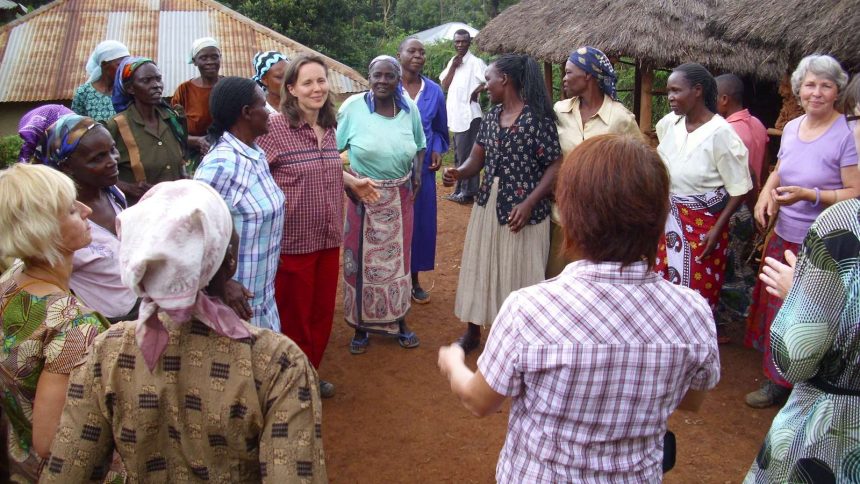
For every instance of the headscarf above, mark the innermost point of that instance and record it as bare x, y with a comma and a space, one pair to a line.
64, 136
201, 44
104, 52
121, 99
597, 64
171, 245
264, 61
398, 95
32, 128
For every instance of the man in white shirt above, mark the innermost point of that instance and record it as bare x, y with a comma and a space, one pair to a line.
463, 79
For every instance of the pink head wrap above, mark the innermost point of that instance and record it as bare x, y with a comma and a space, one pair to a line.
171, 245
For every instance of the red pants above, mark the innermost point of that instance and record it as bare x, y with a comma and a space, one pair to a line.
305, 290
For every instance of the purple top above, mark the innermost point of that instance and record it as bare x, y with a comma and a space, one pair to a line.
811, 164
32, 128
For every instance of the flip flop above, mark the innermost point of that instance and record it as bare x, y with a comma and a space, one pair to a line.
408, 340
359, 346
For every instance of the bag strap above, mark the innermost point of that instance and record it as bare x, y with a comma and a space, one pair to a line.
131, 146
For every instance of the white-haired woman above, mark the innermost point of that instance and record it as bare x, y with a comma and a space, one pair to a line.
44, 329
816, 168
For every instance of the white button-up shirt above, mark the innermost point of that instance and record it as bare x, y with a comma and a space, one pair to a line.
467, 77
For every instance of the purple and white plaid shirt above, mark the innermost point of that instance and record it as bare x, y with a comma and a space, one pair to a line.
596, 360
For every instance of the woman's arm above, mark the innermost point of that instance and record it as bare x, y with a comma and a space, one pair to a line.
47, 409
470, 387
363, 188
521, 212
766, 206
468, 169
713, 236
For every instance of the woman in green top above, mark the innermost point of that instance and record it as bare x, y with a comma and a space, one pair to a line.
44, 329
382, 132
93, 98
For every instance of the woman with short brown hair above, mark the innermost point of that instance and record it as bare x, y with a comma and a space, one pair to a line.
597, 358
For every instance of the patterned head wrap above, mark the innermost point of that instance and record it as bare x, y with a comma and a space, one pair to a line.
201, 44
32, 129
121, 98
64, 136
398, 94
104, 52
171, 245
597, 64
264, 61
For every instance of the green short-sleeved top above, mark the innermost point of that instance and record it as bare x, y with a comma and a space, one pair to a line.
160, 151
39, 333
90, 102
379, 147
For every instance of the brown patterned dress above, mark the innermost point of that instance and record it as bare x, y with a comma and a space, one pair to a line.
214, 409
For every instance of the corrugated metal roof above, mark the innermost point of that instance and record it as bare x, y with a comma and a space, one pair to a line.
43, 54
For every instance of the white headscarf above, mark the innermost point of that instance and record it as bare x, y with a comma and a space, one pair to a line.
201, 44
171, 245
104, 52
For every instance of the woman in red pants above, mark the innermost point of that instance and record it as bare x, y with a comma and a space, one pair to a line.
306, 165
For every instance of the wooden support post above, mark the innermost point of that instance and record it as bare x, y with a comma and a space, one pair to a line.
637, 90
561, 93
547, 77
647, 85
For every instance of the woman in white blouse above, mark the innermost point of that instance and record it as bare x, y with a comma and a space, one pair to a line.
709, 175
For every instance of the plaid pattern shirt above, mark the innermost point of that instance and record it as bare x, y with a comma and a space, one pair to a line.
312, 180
241, 175
596, 360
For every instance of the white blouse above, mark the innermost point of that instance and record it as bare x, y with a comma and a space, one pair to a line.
710, 157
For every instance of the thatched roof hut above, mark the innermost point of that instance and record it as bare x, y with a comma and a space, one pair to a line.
800, 27
659, 33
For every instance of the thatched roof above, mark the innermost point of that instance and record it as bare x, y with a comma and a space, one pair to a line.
801, 27
661, 33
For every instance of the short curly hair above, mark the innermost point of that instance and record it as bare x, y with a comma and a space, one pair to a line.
33, 198
820, 65
613, 195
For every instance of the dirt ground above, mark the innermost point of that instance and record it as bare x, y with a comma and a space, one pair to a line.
394, 418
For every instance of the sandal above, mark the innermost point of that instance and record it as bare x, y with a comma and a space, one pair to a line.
359, 346
420, 296
408, 340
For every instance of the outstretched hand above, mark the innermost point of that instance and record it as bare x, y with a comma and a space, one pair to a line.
450, 176
365, 190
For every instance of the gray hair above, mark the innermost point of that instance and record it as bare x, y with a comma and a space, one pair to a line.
820, 65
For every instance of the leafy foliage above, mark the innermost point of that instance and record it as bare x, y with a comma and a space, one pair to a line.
9, 148
356, 31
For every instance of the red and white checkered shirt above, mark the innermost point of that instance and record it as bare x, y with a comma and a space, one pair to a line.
312, 181
596, 360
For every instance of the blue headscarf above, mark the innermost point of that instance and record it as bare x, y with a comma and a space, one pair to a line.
62, 139
398, 94
64, 136
121, 99
264, 61
597, 64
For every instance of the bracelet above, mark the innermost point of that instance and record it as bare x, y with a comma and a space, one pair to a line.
817, 197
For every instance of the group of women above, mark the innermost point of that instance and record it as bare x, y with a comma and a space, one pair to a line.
263, 222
